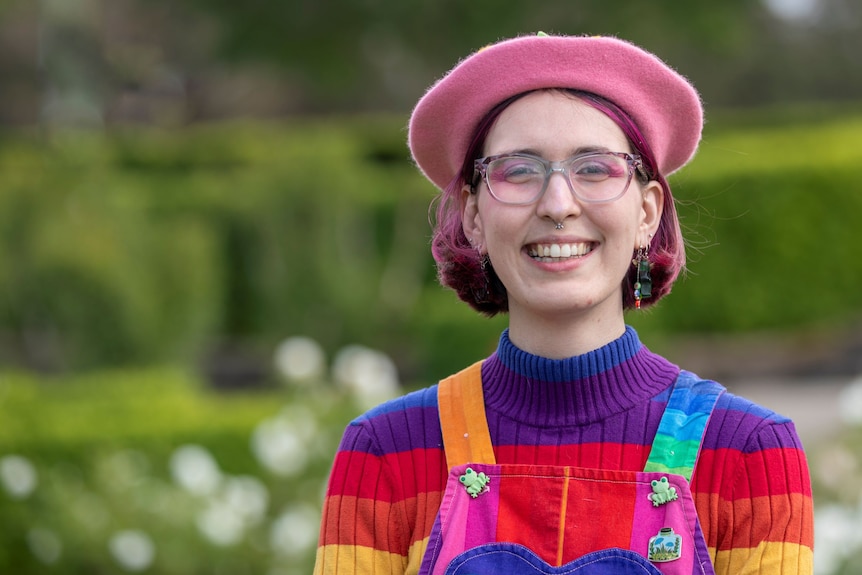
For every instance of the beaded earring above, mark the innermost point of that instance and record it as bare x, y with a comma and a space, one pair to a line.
643, 281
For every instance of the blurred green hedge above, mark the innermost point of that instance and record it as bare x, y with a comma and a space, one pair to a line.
139, 245
102, 451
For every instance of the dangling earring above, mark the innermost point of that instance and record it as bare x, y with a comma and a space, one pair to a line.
643, 281
481, 294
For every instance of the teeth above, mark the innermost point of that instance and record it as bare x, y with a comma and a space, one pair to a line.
559, 251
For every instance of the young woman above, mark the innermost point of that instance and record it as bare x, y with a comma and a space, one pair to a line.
573, 448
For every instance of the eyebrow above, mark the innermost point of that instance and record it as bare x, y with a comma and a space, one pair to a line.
577, 152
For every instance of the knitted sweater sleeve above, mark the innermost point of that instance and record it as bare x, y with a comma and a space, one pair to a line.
384, 490
362, 528
757, 509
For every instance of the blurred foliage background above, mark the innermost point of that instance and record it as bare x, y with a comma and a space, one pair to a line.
190, 189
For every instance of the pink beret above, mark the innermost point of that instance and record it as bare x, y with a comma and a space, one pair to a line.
663, 104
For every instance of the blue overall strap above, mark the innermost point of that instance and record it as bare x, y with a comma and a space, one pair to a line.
683, 424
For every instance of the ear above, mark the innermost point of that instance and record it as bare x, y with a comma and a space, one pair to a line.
651, 209
471, 221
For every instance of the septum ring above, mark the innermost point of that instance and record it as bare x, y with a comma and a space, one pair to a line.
559, 225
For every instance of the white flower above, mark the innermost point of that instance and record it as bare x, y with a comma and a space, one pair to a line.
195, 470
240, 503
132, 549
279, 446
18, 476
368, 374
300, 359
850, 402
44, 545
221, 524
247, 496
295, 531
302, 421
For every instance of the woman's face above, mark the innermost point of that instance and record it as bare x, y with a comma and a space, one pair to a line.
556, 126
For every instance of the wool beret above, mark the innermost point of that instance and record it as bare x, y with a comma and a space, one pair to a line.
664, 105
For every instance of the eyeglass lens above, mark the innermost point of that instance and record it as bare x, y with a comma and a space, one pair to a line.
594, 178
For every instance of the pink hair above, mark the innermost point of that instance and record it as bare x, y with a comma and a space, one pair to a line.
459, 265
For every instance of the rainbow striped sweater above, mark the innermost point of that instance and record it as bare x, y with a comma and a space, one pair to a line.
600, 410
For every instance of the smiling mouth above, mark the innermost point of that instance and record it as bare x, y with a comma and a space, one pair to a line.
556, 252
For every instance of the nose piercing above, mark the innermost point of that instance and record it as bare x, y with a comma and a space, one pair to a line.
559, 226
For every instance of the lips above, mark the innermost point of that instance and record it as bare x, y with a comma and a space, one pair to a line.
557, 252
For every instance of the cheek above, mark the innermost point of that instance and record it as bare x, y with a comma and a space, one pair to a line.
620, 233
621, 221
499, 244
498, 222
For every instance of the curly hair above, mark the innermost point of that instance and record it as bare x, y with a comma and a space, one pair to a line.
472, 277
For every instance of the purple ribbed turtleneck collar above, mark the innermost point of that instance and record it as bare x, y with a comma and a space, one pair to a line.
576, 390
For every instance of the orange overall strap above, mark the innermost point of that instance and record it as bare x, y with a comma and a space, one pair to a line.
461, 403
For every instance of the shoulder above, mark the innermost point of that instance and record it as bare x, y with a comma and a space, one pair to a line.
408, 422
746, 447
419, 399
740, 424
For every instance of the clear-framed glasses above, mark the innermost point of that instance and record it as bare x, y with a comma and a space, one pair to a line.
594, 177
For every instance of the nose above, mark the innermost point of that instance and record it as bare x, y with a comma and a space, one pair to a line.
558, 202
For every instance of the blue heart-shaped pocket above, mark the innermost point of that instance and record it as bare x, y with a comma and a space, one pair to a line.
514, 559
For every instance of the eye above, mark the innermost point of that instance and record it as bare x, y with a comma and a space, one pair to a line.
598, 168
516, 170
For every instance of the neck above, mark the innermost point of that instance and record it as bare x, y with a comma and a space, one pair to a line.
575, 390
562, 335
